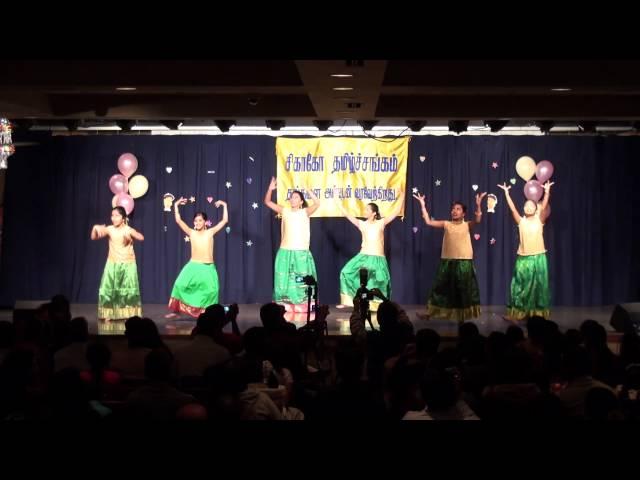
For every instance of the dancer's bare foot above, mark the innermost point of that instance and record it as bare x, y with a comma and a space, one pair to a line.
341, 306
423, 316
105, 320
171, 315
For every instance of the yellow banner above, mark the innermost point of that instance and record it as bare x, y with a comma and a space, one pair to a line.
354, 171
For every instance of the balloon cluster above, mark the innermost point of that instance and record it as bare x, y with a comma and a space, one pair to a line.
527, 168
125, 189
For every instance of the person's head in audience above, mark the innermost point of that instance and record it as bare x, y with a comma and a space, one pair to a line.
157, 366
573, 338
471, 345
98, 356
60, 305
576, 363
387, 315
468, 331
439, 389
272, 316
228, 378
205, 325
515, 335
134, 331
16, 376
595, 335
601, 404
349, 364
17, 367
427, 343
254, 341
7, 335
149, 335
68, 394
226, 383
79, 330
536, 329
630, 348
218, 315
403, 387
632, 377
33, 330
446, 358
515, 368
497, 346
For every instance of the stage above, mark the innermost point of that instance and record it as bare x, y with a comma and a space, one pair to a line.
338, 319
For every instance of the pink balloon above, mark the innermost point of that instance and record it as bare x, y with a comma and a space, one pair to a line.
127, 164
533, 190
544, 171
118, 184
125, 201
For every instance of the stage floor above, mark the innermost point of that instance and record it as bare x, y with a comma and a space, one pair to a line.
338, 320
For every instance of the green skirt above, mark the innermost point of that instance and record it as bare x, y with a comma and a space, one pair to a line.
379, 276
119, 293
195, 289
455, 294
290, 267
530, 294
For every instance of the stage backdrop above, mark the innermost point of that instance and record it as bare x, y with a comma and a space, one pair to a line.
57, 190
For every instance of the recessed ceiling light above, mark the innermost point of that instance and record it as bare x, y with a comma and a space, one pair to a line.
343, 89
341, 75
560, 89
126, 89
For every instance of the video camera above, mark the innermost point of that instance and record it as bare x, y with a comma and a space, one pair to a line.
363, 293
306, 279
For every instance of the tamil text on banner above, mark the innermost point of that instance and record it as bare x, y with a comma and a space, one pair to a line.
353, 171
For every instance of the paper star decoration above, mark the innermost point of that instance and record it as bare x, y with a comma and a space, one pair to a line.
228, 184
208, 223
249, 243
186, 239
192, 199
254, 205
438, 182
414, 189
492, 241
494, 165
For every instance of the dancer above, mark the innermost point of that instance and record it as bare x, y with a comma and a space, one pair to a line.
371, 256
455, 294
529, 294
294, 261
197, 285
119, 292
